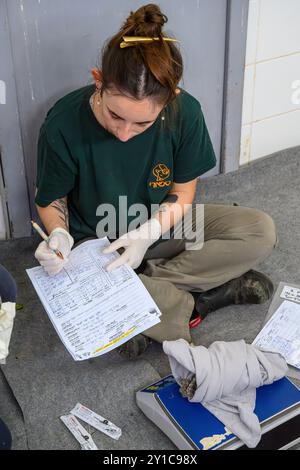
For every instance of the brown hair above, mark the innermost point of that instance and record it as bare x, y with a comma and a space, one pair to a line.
144, 70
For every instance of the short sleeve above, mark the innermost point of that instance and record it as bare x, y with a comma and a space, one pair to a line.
195, 154
56, 170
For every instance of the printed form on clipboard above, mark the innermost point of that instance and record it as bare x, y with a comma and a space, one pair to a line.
92, 310
282, 332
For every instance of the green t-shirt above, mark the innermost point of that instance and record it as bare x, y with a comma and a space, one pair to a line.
80, 159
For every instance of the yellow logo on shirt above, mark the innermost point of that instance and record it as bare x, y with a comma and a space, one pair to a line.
161, 172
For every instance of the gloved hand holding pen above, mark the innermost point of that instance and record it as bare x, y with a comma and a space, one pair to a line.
53, 252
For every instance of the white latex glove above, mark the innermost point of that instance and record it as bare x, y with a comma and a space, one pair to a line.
61, 240
136, 242
7, 315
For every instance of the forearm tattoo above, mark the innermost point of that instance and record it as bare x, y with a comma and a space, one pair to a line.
62, 207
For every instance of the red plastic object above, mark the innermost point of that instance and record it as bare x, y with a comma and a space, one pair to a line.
195, 322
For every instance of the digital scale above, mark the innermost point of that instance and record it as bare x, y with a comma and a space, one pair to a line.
190, 426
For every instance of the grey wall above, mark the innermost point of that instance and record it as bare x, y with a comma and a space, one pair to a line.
14, 193
53, 44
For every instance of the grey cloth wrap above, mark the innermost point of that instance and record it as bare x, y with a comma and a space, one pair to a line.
227, 375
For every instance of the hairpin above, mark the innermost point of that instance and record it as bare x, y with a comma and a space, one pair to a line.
134, 40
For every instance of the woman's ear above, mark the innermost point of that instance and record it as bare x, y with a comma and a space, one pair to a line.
97, 76
177, 91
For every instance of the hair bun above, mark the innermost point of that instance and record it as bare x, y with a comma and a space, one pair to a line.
146, 21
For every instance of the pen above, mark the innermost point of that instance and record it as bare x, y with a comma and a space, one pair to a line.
45, 237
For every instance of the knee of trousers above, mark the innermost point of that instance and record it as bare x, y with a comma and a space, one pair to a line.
8, 286
265, 229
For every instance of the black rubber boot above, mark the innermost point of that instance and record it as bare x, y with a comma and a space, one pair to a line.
134, 347
252, 287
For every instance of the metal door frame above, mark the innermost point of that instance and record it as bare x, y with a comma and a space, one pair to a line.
234, 69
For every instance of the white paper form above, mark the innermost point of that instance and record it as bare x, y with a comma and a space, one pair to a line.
94, 311
291, 293
282, 333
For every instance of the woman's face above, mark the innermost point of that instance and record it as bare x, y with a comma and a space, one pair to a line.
126, 117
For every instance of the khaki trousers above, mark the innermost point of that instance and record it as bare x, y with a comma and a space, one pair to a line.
236, 239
